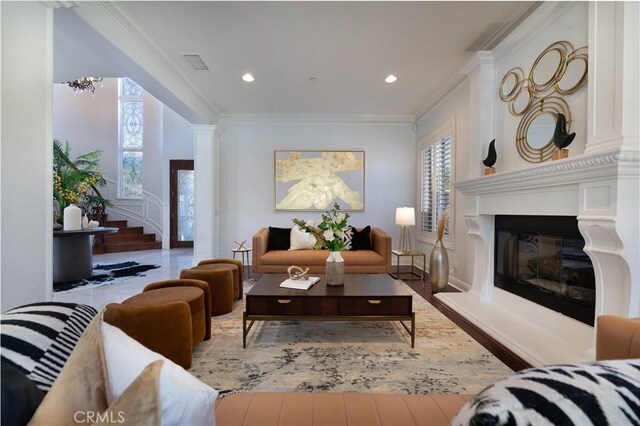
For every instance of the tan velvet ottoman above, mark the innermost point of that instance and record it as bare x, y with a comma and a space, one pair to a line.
189, 283
234, 265
220, 282
170, 321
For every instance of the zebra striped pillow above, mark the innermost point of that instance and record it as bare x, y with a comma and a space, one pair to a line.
37, 339
599, 393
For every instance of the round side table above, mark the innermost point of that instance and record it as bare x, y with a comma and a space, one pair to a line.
244, 252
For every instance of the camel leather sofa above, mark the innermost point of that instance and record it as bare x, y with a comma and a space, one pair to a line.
617, 338
376, 261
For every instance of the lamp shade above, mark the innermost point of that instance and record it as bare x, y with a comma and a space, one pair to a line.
405, 216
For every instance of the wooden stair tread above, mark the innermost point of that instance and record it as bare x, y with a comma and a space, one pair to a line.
135, 246
128, 238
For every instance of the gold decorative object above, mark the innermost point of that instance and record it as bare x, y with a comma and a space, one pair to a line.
540, 92
297, 273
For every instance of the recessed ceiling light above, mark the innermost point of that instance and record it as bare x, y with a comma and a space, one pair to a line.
248, 78
391, 78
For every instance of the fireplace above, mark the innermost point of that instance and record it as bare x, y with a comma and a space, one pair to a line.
597, 191
541, 259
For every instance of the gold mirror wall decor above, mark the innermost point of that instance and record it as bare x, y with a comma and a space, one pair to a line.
560, 70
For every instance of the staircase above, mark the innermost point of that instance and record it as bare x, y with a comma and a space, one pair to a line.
126, 239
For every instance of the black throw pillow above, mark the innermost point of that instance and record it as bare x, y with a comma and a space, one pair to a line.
361, 240
279, 238
20, 396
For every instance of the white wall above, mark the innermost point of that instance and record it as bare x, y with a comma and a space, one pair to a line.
247, 200
26, 195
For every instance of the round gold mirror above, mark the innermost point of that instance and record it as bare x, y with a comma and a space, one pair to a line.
522, 100
548, 67
540, 131
510, 84
575, 73
534, 137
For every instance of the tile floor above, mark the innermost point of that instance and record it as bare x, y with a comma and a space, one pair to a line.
171, 263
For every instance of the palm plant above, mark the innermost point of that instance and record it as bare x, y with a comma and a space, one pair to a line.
76, 182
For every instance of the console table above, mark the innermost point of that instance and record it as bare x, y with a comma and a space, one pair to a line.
73, 254
364, 297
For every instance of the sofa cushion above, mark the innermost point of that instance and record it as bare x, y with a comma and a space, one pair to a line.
38, 338
599, 393
337, 409
20, 396
361, 240
184, 399
301, 240
279, 238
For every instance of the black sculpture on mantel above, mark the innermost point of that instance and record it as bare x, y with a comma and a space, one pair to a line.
561, 138
491, 159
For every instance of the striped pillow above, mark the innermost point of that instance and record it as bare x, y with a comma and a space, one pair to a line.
37, 339
599, 393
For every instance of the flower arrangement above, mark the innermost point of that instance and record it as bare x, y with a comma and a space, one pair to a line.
330, 231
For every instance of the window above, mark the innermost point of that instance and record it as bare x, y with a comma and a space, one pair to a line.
131, 139
435, 189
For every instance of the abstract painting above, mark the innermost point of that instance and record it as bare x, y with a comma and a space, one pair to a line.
315, 180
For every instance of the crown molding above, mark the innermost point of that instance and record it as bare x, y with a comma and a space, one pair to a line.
517, 18
60, 4
530, 26
482, 57
450, 86
317, 118
113, 21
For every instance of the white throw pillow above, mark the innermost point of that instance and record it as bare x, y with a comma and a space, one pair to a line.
184, 399
301, 240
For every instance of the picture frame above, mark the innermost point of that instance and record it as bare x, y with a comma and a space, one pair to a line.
313, 180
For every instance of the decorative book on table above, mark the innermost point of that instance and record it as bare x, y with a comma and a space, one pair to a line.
300, 284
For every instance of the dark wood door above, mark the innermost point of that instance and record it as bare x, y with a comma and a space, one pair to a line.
181, 199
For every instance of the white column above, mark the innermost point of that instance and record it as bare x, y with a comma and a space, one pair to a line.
481, 72
206, 152
26, 194
613, 89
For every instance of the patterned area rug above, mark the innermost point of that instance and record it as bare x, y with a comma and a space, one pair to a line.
105, 274
346, 356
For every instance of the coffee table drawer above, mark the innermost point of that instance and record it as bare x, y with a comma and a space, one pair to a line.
286, 305
375, 306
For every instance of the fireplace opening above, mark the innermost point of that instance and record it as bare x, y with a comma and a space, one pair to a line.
541, 258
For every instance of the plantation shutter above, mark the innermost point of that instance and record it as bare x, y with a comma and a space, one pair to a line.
435, 165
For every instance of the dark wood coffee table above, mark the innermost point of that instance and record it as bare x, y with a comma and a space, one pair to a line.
366, 297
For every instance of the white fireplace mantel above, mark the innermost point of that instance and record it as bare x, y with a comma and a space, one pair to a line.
601, 190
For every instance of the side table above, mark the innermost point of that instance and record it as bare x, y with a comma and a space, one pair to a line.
72, 253
244, 252
412, 254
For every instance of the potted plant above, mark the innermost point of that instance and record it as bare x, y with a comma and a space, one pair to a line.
77, 181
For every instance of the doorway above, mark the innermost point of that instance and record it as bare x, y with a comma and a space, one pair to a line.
181, 189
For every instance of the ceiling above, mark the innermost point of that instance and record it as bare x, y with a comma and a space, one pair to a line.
348, 48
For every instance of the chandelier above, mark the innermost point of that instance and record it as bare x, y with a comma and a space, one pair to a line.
84, 83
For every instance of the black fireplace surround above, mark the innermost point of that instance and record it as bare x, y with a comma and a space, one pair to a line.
541, 258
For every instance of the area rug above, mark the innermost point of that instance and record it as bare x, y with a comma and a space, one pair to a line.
105, 274
346, 356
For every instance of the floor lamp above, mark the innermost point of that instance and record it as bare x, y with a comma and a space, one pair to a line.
405, 217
